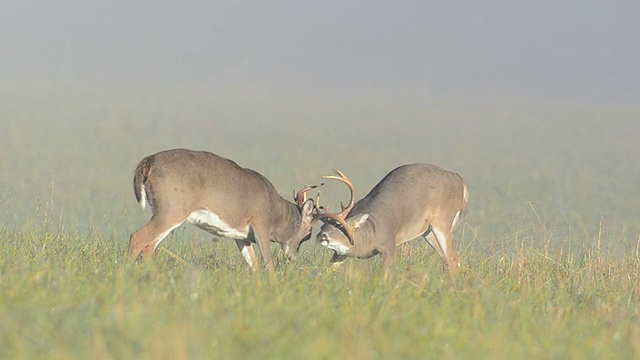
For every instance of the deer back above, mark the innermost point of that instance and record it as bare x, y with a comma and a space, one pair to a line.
402, 206
184, 181
414, 190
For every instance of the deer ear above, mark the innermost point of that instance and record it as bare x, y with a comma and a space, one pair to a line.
308, 207
358, 220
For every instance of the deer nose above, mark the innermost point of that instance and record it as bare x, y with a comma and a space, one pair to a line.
323, 238
288, 253
290, 256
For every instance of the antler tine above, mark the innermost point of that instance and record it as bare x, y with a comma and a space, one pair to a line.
352, 200
301, 196
341, 216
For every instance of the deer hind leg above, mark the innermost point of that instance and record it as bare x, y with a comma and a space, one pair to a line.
145, 240
431, 240
246, 249
442, 234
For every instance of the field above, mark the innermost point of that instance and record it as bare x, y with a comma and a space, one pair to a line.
549, 244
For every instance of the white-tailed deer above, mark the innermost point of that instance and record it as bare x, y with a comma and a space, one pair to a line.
412, 200
220, 197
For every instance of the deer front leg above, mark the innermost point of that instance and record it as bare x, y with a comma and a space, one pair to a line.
246, 249
336, 261
262, 238
386, 256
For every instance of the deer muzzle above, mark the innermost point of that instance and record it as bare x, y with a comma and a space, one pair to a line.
323, 239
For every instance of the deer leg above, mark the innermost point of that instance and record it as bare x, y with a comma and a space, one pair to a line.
246, 249
145, 240
443, 236
262, 238
337, 260
430, 237
386, 256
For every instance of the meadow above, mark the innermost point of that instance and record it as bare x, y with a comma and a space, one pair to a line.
548, 246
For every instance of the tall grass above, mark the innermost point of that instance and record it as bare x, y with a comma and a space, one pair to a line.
74, 295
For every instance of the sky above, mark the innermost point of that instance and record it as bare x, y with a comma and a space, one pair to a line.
575, 50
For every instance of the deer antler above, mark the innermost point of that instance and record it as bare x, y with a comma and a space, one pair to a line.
301, 196
343, 178
341, 216
345, 227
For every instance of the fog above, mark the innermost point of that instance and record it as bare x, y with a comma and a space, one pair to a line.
533, 103
574, 50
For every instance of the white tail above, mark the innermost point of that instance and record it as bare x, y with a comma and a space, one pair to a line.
220, 197
143, 196
411, 201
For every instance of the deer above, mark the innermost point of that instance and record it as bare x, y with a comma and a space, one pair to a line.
222, 198
412, 200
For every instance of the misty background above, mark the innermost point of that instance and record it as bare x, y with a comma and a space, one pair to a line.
535, 104
576, 50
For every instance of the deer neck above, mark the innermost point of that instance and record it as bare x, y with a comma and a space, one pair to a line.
365, 236
287, 218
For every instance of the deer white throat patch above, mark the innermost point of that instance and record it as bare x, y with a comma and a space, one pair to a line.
211, 223
339, 248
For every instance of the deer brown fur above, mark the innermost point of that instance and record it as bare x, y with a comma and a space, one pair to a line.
410, 201
218, 196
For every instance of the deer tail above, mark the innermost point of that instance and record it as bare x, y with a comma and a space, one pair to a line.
465, 196
140, 177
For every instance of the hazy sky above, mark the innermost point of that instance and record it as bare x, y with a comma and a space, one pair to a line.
585, 50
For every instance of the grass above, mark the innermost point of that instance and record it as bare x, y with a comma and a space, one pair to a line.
76, 296
548, 246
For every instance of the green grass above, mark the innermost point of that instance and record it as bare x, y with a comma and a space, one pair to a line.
76, 296
548, 246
